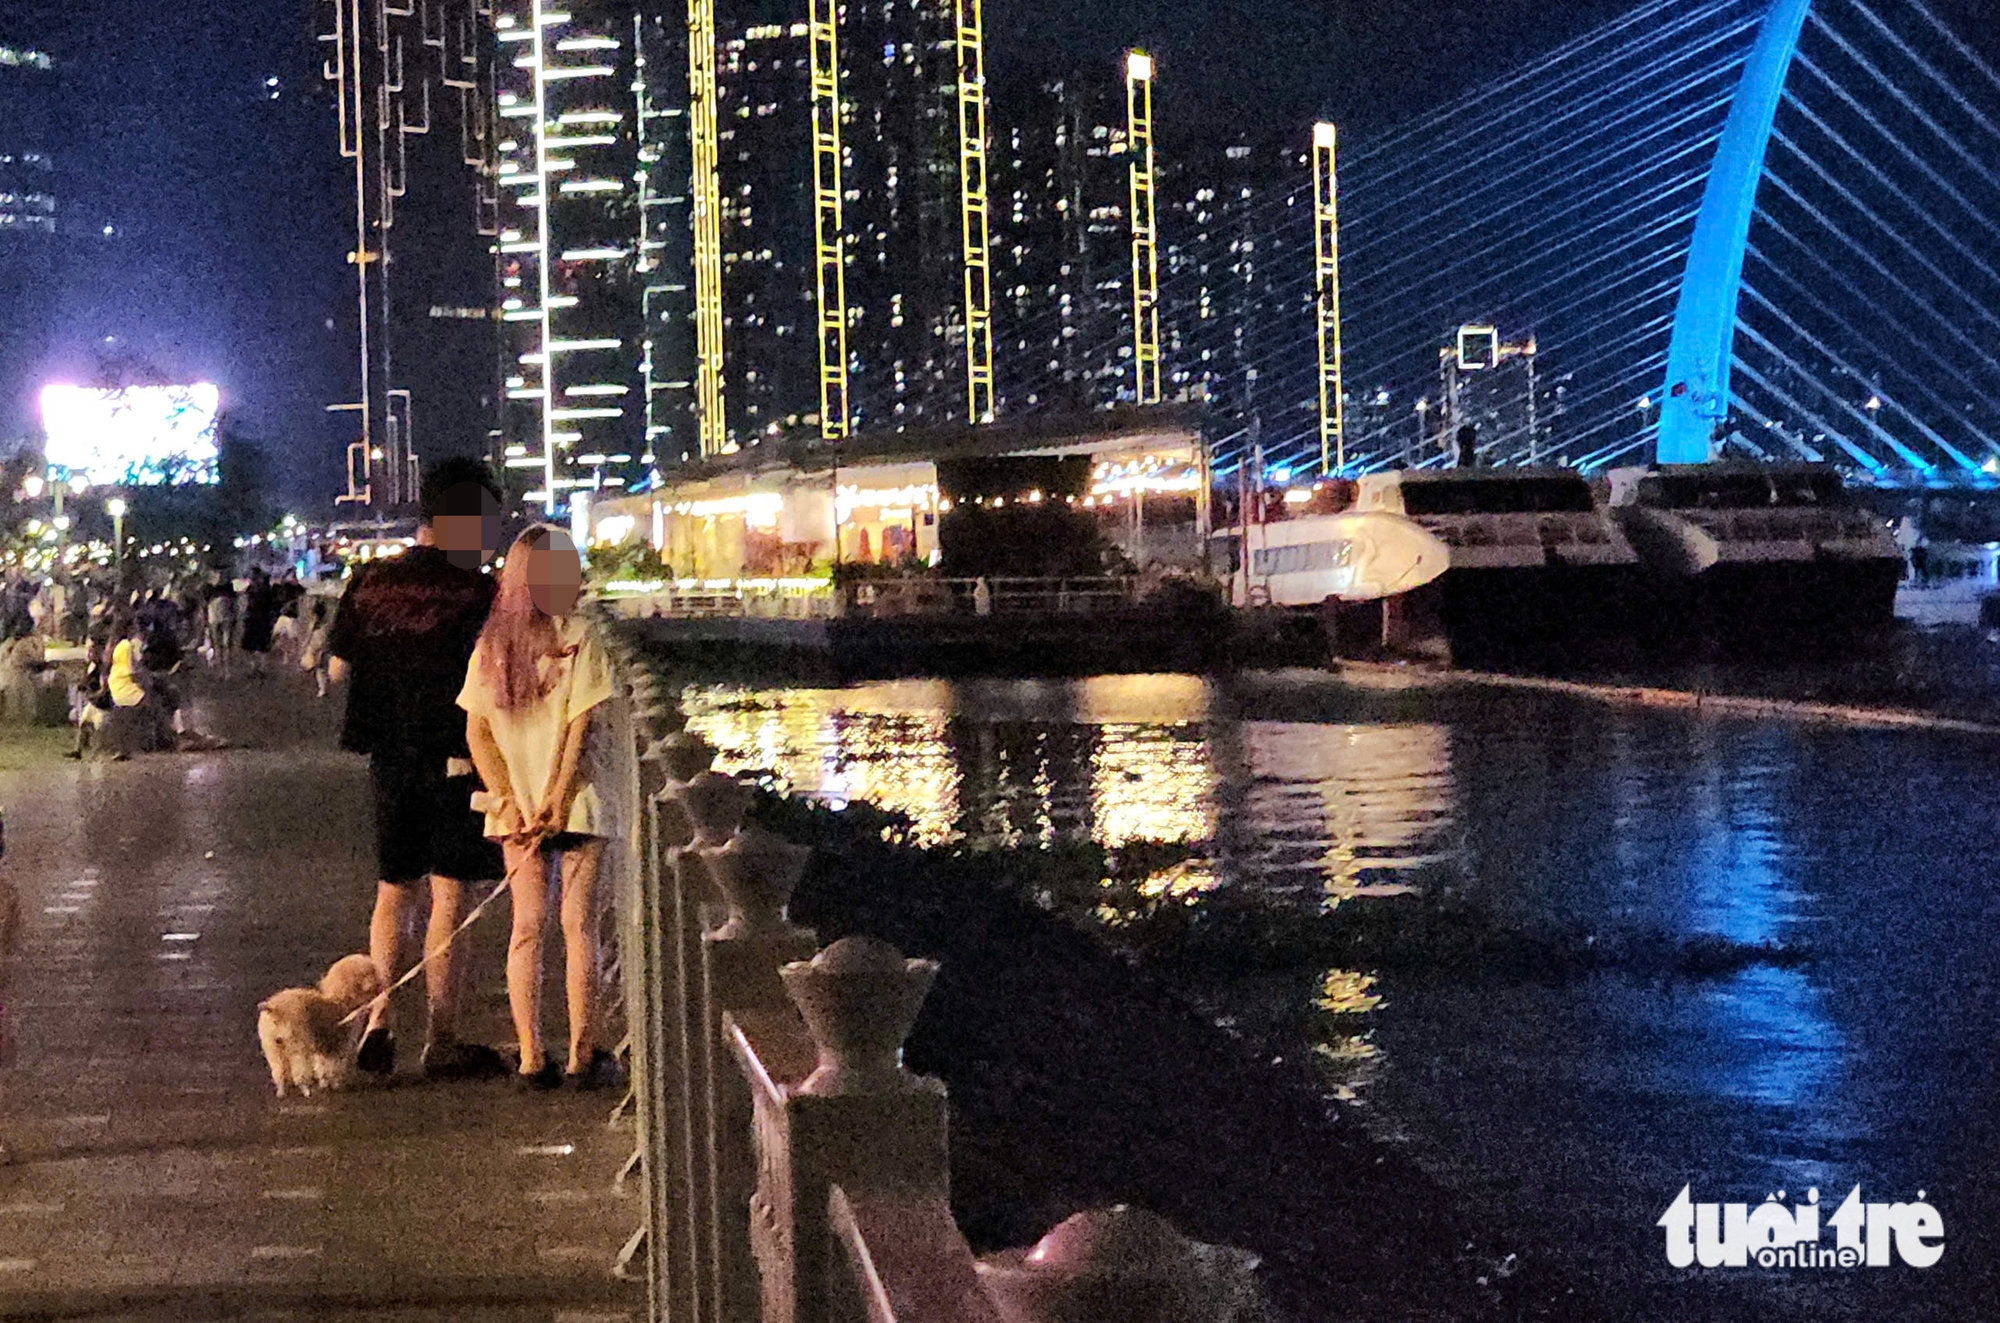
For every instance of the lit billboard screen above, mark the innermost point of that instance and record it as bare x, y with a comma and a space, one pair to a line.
138, 436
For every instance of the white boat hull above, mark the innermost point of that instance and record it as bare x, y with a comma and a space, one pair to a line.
1343, 558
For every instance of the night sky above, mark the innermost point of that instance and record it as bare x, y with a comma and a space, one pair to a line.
229, 207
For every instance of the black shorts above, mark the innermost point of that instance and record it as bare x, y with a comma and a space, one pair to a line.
424, 823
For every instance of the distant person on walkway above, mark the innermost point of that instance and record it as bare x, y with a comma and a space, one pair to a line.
22, 662
405, 632
160, 626
260, 619
538, 698
16, 620
1468, 446
220, 642
316, 620
288, 636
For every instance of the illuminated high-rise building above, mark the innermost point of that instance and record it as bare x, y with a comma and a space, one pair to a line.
414, 121
1063, 252
1492, 385
27, 161
572, 301
764, 132
1062, 246
663, 213
29, 225
905, 287
901, 218
1228, 278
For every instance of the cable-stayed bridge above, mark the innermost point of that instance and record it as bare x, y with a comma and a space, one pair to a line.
1762, 228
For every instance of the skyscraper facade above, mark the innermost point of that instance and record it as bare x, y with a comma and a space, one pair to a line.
29, 226
1231, 275
1064, 245
901, 230
27, 165
845, 292
663, 263
764, 133
416, 129
569, 96
905, 291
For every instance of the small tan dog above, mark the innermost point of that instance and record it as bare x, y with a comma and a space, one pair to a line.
304, 1041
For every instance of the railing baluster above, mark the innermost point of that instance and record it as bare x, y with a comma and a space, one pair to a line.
756, 873
809, 1183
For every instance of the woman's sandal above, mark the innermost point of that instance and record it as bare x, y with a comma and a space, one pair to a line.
600, 1074
548, 1078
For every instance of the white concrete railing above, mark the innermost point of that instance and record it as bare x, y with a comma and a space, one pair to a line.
792, 1170
888, 598
728, 599
881, 598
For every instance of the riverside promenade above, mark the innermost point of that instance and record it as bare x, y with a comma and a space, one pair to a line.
155, 1174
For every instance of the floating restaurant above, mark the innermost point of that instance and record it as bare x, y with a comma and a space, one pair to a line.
1140, 476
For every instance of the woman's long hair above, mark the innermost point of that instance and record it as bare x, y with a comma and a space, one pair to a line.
518, 634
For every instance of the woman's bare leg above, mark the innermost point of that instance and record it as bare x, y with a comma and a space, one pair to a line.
579, 921
528, 884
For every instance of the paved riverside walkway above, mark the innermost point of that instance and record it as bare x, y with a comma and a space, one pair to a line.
156, 1174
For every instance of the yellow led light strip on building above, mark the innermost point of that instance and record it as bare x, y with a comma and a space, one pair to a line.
1145, 228
1326, 227
829, 229
972, 194
707, 208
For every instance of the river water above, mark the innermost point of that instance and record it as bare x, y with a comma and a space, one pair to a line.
1566, 1116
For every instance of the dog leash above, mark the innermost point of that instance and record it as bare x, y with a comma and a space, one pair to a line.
429, 956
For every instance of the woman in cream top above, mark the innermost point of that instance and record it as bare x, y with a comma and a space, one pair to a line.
537, 697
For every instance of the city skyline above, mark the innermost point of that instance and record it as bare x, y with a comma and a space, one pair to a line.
224, 190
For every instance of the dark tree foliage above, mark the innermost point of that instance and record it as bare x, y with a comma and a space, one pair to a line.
1020, 541
212, 514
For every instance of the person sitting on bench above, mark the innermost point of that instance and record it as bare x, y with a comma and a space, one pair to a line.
137, 690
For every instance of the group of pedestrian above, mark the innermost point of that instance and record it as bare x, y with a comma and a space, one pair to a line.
248, 622
131, 655
136, 642
462, 688
49, 609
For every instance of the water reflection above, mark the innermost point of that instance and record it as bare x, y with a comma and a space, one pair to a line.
1732, 874
1313, 812
1586, 1104
1343, 1032
1341, 811
1324, 812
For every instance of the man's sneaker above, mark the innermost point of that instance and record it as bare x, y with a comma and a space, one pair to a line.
453, 1060
378, 1053
602, 1073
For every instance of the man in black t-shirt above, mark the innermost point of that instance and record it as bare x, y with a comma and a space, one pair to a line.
405, 633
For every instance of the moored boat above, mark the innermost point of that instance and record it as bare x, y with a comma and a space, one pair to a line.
1536, 569
1768, 556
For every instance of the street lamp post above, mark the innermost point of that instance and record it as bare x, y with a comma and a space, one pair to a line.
115, 507
59, 573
